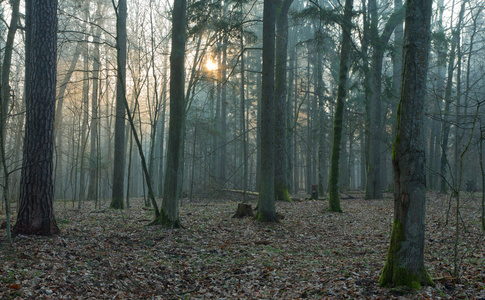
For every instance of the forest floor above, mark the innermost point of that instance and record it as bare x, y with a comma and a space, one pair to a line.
311, 253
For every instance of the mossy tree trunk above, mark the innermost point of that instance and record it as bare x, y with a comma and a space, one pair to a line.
281, 147
334, 198
169, 214
266, 201
405, 258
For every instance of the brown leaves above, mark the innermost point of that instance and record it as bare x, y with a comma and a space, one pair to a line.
311, 254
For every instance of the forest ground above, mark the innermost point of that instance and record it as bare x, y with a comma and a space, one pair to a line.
311, 253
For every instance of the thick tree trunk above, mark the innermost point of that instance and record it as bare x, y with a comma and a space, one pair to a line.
266, 200
119, 151
405, 258
334, 197
36, 214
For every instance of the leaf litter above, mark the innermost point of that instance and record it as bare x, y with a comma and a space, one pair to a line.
310, 254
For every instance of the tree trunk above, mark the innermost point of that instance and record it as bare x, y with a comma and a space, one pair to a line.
334, 197
169, 214
374, 182
405, 258
36, 214
58, 128
266, 200
7, 62
93, 156
446, 122
119, 151
85, 113
244, 135
223, 117
281, 151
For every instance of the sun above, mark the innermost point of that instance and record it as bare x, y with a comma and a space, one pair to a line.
211, 65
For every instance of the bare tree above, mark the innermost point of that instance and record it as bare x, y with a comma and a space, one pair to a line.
405, 258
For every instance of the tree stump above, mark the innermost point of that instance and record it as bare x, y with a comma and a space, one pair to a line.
314, 192
243, 210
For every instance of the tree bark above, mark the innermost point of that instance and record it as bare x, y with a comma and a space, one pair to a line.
36, 213
281, 58
334, 197
405, 258
7, 62
93, 157
446, 122
374, 182
119, 150
266, 200
169, 214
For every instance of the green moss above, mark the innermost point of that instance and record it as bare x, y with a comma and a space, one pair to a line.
397, 140
335, 208
282, 194
117, 203
264, 217
395, 275
164, 220
395, 146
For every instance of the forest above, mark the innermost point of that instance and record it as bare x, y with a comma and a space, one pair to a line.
249, 149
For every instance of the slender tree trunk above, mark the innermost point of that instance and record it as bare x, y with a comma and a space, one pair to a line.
161, 135
169, 215
266, 201
243, 111
258, 136
223, 117
396, 68
446, 122
4, 104
7, 62
85, 113
482, 171
320, 153
405, 258
58, 127
290, 119
281, 147
374, 183
36, 213
334, 197
119, 150
93, 157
